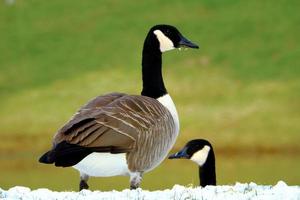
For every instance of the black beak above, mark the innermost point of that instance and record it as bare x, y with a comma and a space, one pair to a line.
180, 154
186, 43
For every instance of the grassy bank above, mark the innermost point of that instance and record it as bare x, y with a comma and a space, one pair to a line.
239, 90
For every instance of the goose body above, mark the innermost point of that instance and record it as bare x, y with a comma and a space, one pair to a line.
118, 126
201, 152
121, 134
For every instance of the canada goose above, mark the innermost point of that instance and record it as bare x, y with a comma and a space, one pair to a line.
201, 152
121, 134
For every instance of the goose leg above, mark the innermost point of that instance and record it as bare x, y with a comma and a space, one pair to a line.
83, 181
135, 180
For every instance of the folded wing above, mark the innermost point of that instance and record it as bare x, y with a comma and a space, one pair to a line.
109, 123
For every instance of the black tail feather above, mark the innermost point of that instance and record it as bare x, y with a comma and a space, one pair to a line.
46, 158
65, 155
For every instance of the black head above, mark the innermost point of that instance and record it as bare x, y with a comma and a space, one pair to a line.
196, 150
167, 38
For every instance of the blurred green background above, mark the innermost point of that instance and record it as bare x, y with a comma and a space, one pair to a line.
241, 90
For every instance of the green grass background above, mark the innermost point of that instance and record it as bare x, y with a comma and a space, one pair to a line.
240, 90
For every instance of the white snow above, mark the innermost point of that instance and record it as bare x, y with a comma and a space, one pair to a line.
239, 191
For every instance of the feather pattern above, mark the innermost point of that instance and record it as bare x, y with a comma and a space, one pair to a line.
137, 125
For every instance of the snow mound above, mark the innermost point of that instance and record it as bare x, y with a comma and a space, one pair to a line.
238, 191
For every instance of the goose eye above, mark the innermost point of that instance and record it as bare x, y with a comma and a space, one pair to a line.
168, 32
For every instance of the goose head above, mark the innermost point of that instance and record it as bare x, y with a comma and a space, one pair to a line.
201, 152
166, 37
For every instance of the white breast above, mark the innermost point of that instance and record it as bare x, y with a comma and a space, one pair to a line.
167, 101
103, 165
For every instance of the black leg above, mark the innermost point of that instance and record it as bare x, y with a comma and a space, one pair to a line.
83, 185
83, 181
133, 187
135, 180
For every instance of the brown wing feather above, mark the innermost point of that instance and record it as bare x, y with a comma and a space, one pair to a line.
113, 120
90, 109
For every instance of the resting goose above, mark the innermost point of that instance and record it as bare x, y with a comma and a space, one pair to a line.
201, 152
122, 134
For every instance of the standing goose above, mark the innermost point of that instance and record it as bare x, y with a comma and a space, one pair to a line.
201, 152
121, 134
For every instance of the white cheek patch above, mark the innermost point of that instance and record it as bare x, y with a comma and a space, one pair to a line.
200, 156
165, 44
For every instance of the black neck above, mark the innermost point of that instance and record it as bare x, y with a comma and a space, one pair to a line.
207, 172
153, 84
